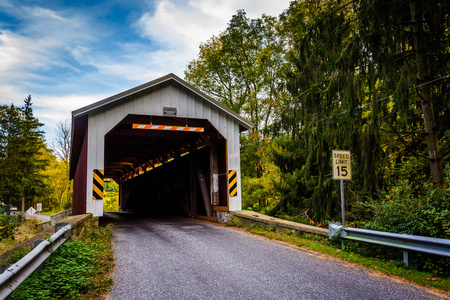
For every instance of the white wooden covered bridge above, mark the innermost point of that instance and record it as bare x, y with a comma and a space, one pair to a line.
171, 148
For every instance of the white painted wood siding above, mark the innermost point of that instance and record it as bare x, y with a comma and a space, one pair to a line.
151, 102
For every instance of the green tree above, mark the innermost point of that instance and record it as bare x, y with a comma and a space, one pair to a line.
370, 76
10, 120
111, 196
240, 68
61, 149
352, 70
21, 162
408, 41
327, 86
56, 178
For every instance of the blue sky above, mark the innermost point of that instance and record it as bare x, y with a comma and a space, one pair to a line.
68, 54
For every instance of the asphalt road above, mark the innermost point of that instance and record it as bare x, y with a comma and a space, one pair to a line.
176, 258
40, 217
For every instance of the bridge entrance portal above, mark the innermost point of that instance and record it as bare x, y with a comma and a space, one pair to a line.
171, 148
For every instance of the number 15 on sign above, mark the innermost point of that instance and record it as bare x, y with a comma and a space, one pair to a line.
342, 165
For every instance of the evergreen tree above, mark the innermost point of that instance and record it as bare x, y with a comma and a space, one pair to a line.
328, 85
10, 124
21, 162
370, 76
352, 71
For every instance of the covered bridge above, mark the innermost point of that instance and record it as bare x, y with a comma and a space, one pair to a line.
171, 148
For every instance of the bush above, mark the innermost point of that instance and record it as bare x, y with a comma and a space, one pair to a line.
8, 223
403, 212
78, 267
16, 256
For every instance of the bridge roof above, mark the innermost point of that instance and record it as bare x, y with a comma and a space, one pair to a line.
80, 116
169, 78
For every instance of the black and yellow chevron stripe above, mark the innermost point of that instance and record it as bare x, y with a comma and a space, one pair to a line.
232, 183
97, 193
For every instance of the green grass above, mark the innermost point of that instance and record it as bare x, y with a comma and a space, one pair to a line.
325, 246
16, 256
50, 213
47, 213
78, 269
26, 230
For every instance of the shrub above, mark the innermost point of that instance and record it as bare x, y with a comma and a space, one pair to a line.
16, 256
78, 267
8, 223
403, 212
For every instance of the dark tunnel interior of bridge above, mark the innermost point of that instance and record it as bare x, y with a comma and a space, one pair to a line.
167, 172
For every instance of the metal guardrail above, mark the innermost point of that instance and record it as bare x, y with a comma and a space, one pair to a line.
18, 272
403, 241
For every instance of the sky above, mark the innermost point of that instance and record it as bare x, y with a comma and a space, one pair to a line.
68, 54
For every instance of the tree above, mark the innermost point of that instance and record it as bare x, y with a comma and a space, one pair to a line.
111, 194
240, 68
352, 68
10, 120
409, 41
370, 76
21, 162
59, 195
326, 75
61, 148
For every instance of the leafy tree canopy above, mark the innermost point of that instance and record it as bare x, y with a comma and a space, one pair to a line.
368, 76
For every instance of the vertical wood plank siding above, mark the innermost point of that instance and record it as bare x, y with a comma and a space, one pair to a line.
79, 182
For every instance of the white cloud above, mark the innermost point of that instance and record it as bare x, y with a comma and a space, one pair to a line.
179, 26
52, 109
56, 56
224, 9
185, 25
15, 52
47, 14
11, 94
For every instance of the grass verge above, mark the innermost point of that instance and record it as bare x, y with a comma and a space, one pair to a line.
78, 269
26, 230
324, 246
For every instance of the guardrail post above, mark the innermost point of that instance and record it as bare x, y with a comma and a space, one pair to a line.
405, 258
3, 268
58, 226
41, 266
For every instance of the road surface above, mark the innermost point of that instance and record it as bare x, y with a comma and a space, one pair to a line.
39, 217
176, 258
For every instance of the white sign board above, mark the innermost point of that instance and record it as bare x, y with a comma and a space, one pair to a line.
31, 211
342, 165
38, 206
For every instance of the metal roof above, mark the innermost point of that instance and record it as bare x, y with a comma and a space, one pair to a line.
115, 157
169, 78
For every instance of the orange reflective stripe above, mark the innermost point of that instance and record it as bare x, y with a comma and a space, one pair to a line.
168, 127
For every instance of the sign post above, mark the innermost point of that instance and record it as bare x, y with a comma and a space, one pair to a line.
342, 170
342, 201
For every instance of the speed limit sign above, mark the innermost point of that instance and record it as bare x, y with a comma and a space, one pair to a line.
342, 165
